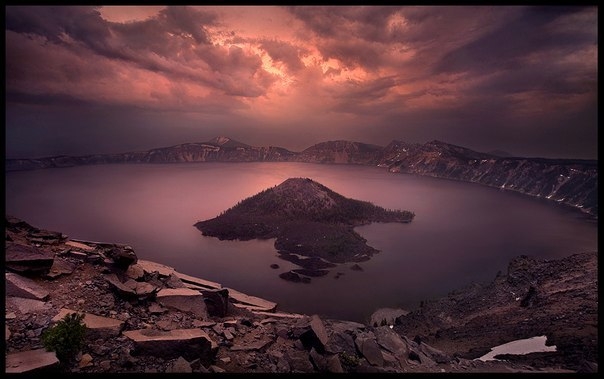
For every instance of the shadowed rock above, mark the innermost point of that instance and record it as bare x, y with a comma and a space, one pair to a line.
26, 259
316, 336
122, 255
180, 366
188, 343
368, 347
217, 301
290, 276
325, 363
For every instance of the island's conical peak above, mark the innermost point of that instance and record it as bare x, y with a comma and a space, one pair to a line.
305, 199
305, 192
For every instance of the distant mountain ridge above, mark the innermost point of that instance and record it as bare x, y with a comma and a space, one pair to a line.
573, 182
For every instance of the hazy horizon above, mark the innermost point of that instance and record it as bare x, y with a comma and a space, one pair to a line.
110, 79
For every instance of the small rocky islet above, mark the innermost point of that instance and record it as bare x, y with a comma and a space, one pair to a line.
145, 317
313, 226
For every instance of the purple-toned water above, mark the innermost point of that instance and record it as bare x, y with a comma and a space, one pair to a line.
462, 232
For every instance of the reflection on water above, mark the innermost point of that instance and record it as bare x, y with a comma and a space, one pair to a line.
461, 233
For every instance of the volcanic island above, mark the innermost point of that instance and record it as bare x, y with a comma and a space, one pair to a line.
313, 226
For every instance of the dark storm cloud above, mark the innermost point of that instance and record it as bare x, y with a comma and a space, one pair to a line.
364, 97
506, 46
367, 23
152, 44
284, 52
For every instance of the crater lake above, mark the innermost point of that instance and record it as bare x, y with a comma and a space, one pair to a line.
462, 233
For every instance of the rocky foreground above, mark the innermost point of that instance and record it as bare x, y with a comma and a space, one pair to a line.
143, 317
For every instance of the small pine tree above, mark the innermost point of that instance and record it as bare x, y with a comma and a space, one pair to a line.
66, 337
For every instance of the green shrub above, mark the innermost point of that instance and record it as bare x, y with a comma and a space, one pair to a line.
349, 359
66, 337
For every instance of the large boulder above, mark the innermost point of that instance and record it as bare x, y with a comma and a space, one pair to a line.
122, 255
315, 336
217, 301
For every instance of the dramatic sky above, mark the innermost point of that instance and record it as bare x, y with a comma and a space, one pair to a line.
85, 79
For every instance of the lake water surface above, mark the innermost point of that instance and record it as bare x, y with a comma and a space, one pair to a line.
462, 233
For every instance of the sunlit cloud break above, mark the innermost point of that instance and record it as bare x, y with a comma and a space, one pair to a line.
83, 79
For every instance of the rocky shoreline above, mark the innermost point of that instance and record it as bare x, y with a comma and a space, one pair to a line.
144, 317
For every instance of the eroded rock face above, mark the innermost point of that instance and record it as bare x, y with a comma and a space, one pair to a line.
511, 310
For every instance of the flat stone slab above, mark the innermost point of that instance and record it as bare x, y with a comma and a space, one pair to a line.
19, 286
27, 361
256, 345
150, 267
197, 281
81, 246
278, 315
170, 343
96, 324
26, 306
183, 299
259, 303
25, 258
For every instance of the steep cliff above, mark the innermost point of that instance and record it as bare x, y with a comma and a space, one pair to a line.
573, 182
569, 181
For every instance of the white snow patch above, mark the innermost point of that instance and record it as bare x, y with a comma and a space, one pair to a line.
519, 347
